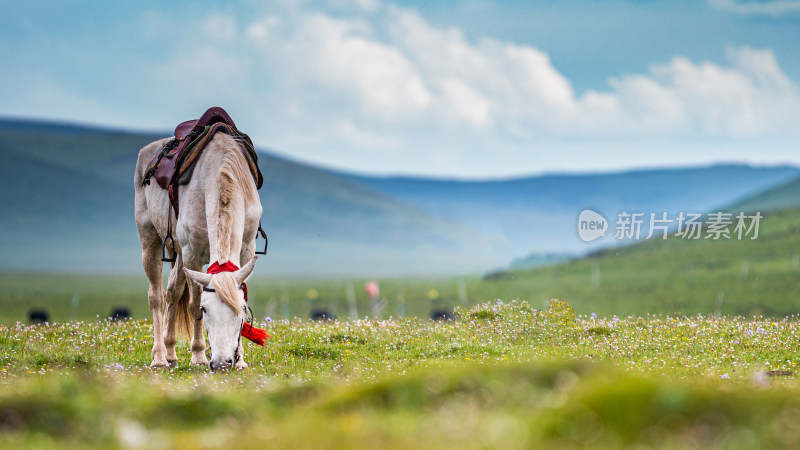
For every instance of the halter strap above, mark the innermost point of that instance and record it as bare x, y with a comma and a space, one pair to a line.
208, 289
248, 331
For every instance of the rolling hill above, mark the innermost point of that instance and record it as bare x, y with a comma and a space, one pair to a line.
69, 207
784, 196
68, 202
703, 276
538, 214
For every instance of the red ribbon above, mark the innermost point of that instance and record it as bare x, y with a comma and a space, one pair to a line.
257, 335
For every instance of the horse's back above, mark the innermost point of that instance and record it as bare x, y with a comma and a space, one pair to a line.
222, 154
142, 210
146, 154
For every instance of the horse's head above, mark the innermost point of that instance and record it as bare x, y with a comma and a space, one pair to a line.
223, 309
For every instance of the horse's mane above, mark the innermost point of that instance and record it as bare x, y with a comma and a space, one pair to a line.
228, 290
234, 175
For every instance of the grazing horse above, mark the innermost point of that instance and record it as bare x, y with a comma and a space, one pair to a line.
218, 220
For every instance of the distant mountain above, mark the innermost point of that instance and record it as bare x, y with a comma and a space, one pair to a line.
538, 214
68, 206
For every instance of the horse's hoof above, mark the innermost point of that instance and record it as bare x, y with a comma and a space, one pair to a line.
197, 361
241, 365
158, 364
172, 363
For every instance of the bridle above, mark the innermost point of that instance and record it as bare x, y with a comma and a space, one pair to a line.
248, 311
254, 334
208, 289
248, 316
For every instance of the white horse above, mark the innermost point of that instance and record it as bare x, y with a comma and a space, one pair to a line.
218, 220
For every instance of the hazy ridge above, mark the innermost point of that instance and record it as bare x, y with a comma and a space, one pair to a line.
69, 207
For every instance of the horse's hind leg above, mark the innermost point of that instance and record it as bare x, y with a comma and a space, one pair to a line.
198, 340
151, 260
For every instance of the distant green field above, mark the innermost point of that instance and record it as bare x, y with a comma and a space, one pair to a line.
499, 376
728, 277
87, 297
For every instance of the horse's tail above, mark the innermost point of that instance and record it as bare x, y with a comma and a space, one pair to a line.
183, 318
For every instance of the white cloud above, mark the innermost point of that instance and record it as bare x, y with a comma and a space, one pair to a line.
501, 82
510, 88
336, 87
466, 103
758, 8
531, 71
260, 29
751, 96
332, 86
343, 55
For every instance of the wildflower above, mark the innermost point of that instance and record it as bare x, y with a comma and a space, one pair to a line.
724, 376
594, 316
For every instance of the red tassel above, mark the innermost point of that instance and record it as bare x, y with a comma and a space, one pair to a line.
257, 335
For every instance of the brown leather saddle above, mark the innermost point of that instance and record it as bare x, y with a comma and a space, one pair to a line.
174, 163
185, 134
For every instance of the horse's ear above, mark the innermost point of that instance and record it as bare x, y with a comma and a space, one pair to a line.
245, 272
203, 279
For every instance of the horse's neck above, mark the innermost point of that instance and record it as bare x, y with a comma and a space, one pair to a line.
225, 202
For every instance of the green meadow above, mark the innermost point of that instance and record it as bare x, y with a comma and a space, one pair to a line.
501, 375
664, 344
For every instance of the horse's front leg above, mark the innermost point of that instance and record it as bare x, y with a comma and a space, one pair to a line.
240, 364
244, 258
198, 339
198, 344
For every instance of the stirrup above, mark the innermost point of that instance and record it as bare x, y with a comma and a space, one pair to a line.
164, 257
266, 241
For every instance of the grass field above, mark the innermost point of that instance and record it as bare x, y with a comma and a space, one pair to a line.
675, 344
502, 375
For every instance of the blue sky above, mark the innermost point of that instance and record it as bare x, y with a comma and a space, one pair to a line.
470, 89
